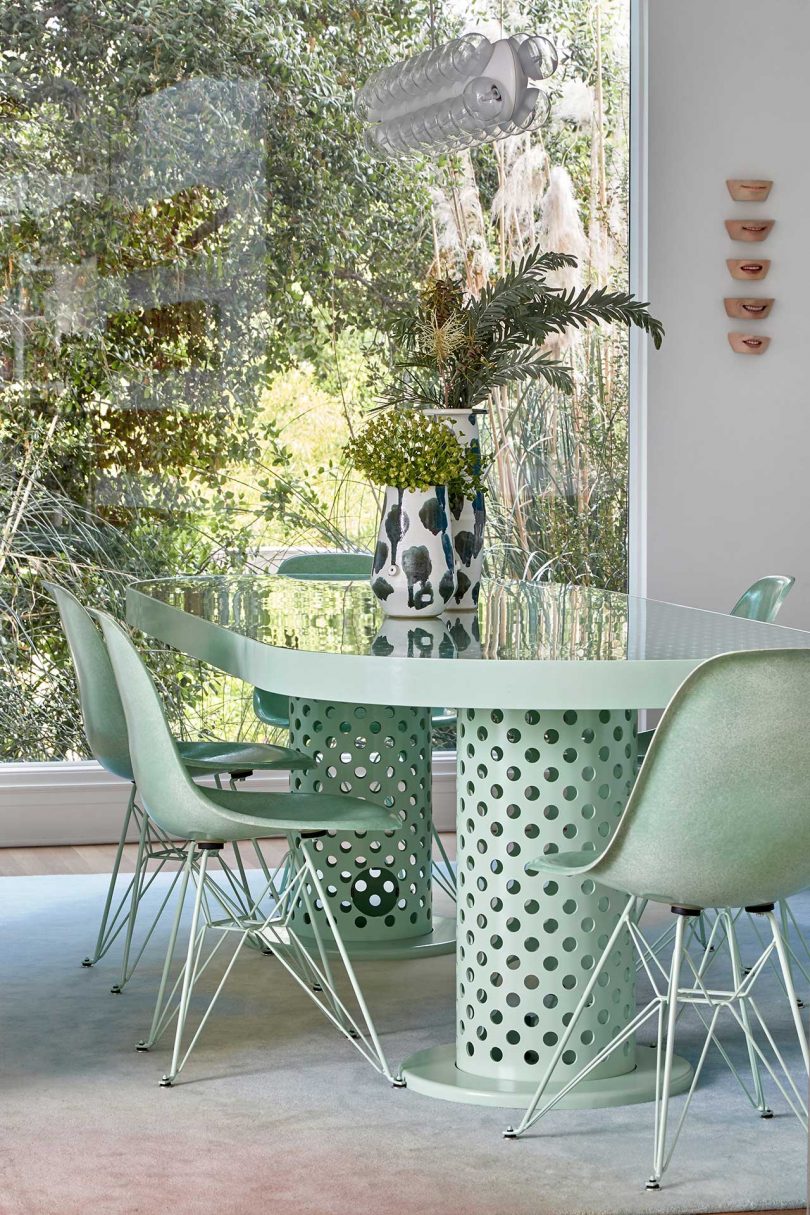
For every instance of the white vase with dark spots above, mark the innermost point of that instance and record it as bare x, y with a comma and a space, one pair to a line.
414, 569
467, 515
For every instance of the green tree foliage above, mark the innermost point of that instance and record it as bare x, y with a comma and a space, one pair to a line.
182, 184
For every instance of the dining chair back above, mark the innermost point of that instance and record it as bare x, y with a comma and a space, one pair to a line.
764, 598
731, 827
102, 712
329, 567
761, 601
165, 787
273, 708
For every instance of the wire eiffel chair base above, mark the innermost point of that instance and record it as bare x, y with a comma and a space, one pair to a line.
671, 996
309, 968
442, 869
155, 850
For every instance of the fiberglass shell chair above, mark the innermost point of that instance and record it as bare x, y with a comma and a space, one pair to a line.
106, 732
273, 708
718, 818
210, 817
762, 601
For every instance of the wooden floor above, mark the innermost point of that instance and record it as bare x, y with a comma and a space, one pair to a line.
99, 858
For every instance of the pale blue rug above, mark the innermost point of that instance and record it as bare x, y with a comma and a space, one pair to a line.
278, 1115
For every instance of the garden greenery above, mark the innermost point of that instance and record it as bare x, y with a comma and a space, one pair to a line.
198, 260
183, 195
407, 449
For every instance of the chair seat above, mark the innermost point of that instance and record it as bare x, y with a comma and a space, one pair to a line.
216, 756
553, 862
254, 815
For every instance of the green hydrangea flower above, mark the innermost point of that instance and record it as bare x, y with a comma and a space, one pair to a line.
408, 449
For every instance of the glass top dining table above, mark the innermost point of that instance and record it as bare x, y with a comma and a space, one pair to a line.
534, 644
546, 681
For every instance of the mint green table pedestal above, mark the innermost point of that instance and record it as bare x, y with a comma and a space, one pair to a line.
379, 884
529, 781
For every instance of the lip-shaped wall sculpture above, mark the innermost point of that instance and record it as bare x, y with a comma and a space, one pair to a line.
748, 268
748, 343
748, 189
749, 229
746, 308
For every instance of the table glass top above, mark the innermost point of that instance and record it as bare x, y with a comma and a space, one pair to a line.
515, 620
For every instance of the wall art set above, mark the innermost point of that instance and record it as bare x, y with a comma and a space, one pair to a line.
753, 269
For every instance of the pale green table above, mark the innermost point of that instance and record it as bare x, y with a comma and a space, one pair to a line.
547, 681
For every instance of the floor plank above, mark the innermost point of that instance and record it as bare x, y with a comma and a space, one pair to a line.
99, 858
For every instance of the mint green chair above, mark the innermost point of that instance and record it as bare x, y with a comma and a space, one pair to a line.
718, 818
762, 601
327, 567
271, 707
106, 732
210, 817
764, 598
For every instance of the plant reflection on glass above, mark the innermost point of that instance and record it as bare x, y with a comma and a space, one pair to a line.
456, 349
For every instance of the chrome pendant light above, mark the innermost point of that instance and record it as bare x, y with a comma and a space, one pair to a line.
464, 93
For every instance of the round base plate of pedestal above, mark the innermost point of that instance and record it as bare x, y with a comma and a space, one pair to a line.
441, 940
434, 1073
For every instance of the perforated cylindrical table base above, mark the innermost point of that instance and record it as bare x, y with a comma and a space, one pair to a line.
379, 884
528, 783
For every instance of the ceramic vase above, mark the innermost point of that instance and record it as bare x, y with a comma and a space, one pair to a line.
467, 515
414, 570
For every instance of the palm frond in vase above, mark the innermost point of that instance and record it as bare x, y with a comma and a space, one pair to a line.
454, 350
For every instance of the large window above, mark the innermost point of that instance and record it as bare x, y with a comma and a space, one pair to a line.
198, 258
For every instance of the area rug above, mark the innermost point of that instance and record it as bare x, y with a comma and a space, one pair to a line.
277, 1114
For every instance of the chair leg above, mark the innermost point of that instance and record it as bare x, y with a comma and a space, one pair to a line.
105, 915
533, 1113
148, 1042
787, 976
445, 878
665, 1078
737, 977
192, 956
347, 966
137, 885
324, 960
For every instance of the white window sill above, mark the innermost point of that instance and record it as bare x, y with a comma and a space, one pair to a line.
79, 803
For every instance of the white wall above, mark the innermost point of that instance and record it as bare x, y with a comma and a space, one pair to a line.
728, 436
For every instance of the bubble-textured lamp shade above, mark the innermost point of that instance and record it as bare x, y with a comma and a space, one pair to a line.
464, 93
